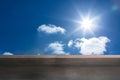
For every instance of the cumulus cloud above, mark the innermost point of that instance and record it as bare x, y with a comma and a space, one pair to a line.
57, 48
70, 43
92, 45
50, 29
7, 53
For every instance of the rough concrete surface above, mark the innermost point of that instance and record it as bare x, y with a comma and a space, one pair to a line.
60, 67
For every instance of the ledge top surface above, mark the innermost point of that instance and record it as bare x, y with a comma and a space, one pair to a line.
60, 60
60, 56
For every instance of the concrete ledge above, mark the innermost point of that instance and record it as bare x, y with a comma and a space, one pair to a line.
60, 56
76, 60
77, 67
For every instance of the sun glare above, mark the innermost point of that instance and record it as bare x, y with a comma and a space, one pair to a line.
87, 24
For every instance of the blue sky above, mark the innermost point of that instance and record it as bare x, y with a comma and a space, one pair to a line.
33, 27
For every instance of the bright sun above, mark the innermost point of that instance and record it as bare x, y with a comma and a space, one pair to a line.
87, 23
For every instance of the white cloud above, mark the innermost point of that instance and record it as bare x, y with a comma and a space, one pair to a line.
70, 43
57, 48
7, 53
91, 46
50, 29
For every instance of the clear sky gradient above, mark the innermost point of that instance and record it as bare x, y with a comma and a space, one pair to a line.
37, 27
